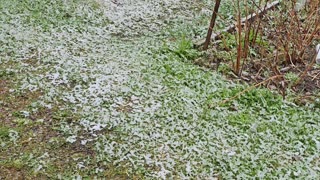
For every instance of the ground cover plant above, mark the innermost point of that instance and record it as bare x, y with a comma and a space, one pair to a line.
98, 89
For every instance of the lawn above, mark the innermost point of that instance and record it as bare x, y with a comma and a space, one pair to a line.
107, 89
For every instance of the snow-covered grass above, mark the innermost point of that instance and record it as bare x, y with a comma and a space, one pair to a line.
113, 94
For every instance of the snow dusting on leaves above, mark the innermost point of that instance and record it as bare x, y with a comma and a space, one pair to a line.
147, 110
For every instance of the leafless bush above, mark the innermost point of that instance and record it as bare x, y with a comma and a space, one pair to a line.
275, 40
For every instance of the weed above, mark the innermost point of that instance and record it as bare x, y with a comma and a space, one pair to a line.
4, 132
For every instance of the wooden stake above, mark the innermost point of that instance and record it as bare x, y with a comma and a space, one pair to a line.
212, 23
232, 28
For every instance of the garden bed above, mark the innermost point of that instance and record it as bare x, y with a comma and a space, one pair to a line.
275, 51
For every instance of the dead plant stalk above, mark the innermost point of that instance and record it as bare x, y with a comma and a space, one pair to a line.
249, 88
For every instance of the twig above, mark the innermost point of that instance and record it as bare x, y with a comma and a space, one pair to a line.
248, 89
313, 78
304, 73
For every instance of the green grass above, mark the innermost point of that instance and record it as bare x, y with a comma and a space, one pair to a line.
49, 14
87, 103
